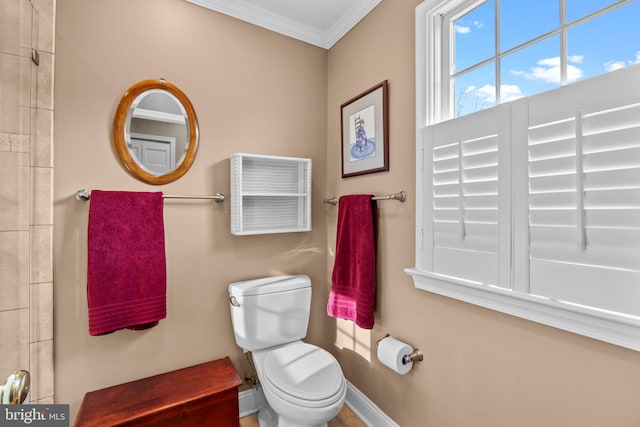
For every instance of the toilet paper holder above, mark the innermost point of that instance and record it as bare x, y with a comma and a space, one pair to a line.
415, 356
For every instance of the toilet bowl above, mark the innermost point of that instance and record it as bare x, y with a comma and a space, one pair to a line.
303, 384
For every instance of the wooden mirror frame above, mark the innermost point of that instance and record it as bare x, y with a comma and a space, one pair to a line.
121, 141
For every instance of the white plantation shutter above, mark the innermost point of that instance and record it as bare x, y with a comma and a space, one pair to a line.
532, 208
584, 195
465, 192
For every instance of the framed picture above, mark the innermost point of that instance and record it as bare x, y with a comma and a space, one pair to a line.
365, 133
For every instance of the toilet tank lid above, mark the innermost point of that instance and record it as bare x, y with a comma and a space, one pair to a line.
268, 285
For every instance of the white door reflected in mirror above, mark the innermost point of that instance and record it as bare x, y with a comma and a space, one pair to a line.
157, 131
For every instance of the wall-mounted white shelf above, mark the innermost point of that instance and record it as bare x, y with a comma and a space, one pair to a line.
270, 194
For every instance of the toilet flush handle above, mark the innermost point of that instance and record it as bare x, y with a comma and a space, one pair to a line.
233, 301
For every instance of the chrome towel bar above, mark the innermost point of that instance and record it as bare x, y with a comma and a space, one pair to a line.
401, 197
85, 195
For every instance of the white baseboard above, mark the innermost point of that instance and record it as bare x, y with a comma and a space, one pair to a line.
250, 402
366, 410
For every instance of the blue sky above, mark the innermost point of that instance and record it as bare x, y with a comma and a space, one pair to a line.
604, 43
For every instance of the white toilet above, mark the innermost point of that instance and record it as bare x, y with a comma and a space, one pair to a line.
303, 384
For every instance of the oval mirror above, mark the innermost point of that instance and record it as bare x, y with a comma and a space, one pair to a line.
156, 131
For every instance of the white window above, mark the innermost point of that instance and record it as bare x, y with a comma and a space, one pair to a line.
484, 52
530, 207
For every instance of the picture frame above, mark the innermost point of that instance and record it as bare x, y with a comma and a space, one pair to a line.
365, 132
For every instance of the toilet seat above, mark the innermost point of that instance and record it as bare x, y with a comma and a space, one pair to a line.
304, 375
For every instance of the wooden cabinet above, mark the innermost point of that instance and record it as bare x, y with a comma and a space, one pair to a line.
200, 396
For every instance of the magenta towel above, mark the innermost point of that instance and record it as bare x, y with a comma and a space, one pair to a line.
353, 282
126, 273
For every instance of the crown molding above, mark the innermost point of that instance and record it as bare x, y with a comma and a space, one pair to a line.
256, 15
348, 20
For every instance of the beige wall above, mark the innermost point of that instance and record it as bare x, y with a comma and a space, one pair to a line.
481, 368
26, 178
254, 91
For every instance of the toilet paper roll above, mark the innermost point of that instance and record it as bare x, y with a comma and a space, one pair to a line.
390, 353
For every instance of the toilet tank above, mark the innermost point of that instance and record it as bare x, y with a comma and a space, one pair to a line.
270, 311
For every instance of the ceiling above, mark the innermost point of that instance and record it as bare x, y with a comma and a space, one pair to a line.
318, 22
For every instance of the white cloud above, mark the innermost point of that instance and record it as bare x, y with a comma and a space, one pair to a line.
465, 28
548, 70
510, 92
614, 65
487, 93
577, 59
550, 62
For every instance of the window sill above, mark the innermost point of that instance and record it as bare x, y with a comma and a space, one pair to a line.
614, 328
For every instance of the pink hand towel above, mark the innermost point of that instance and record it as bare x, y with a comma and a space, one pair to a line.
126, 274
353, 282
